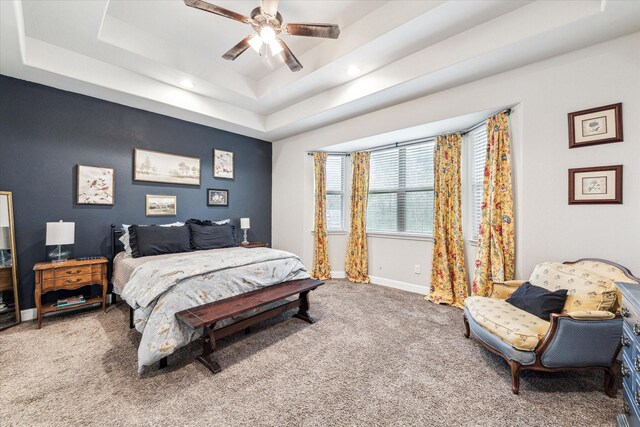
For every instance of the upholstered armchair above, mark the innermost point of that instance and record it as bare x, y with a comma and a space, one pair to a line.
585, 336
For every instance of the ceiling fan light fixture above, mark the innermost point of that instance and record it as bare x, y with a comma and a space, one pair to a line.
275, 47
267, 34
256, 43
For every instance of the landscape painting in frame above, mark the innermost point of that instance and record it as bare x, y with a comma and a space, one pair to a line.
222, 164
217, 197
600, 125
155, 166
95, 185
161, 205
595, 185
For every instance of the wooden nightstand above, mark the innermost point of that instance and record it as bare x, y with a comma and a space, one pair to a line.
71, 274
255, 245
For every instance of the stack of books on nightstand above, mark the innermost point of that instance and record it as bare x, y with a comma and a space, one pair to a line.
78, 299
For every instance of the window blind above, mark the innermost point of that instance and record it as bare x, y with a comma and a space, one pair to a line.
478, 140
401, 190
335, 192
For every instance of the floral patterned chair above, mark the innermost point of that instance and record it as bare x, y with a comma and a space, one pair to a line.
585, 336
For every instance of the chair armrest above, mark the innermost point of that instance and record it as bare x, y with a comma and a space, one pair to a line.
573, 342
504, 289
591, 315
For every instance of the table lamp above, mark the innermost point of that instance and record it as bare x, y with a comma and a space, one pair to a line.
245, 224
58, 234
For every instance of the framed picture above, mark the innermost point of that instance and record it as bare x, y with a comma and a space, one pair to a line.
222, 164
95, 185
595, 126
155, 166
160, 205
217, 197
597, 185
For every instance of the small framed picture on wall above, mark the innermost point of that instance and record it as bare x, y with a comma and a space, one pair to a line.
95, 185
217, 197
600, 125
596, 185
223, 164
160, 205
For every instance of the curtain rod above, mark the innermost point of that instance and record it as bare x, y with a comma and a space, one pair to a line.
329, 153
507, 111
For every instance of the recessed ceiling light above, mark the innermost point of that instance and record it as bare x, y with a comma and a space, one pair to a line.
353, 70
188, 84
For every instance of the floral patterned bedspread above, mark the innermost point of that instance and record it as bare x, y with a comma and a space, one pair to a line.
157, 290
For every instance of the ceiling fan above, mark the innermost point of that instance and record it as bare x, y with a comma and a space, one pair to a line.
268, 24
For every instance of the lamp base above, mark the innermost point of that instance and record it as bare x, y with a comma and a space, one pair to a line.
5, 258
245, 241
59, 255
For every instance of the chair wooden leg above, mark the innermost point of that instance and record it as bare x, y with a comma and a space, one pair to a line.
610, 381
515, 376
466, 327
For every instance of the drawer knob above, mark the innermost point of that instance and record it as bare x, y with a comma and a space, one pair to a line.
625, 407
636, 397
636, 329
625, 370
76, 280
73, 272
625, 341
624, 311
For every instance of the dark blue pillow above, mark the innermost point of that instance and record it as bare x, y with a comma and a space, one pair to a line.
211, 236
156, 240
538, 301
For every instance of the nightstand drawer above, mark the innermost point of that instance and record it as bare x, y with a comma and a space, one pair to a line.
71, 281
66, 272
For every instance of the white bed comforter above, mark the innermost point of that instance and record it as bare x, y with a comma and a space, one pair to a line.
158, 289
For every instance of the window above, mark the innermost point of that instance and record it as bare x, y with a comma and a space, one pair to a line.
478, 142
401, 190
335, 192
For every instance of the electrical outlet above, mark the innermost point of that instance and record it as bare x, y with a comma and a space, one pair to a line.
416, 269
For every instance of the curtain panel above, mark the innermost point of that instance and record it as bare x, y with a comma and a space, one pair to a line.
495, 261
356, 262
321, 268
448, 272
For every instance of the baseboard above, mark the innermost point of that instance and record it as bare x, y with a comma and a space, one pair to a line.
404, 286
338, 275
32, 313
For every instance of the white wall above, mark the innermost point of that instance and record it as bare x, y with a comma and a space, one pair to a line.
547, 228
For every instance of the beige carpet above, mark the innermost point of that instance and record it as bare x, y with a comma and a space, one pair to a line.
376, 356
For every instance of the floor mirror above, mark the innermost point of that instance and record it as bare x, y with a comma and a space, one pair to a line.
9, 306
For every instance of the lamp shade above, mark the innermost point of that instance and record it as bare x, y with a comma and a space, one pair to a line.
5, 241
60, 233
245, 223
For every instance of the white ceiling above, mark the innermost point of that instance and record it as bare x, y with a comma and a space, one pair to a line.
137, 53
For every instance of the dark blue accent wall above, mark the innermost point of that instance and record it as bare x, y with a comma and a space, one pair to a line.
46, 132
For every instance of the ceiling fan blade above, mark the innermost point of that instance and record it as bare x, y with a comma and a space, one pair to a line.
289, 57
237, 50
327, 31
217, 10
269, 7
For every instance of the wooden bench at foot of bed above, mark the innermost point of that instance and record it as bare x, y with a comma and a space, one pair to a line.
207, 315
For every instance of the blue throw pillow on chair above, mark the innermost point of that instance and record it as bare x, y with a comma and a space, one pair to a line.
538, 301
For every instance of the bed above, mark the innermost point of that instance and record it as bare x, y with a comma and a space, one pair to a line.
157, 287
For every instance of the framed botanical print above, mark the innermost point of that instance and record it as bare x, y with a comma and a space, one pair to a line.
600, 125
160, 205
596, 185
95, 185
156, 166
217, 197
223, 164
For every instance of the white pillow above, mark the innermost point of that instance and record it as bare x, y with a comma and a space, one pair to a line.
222, 222
125, 236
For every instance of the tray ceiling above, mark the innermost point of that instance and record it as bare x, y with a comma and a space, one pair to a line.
139, 53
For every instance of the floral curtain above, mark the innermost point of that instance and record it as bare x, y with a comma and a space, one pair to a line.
357, 259
495, 261
321, 268
448, 271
